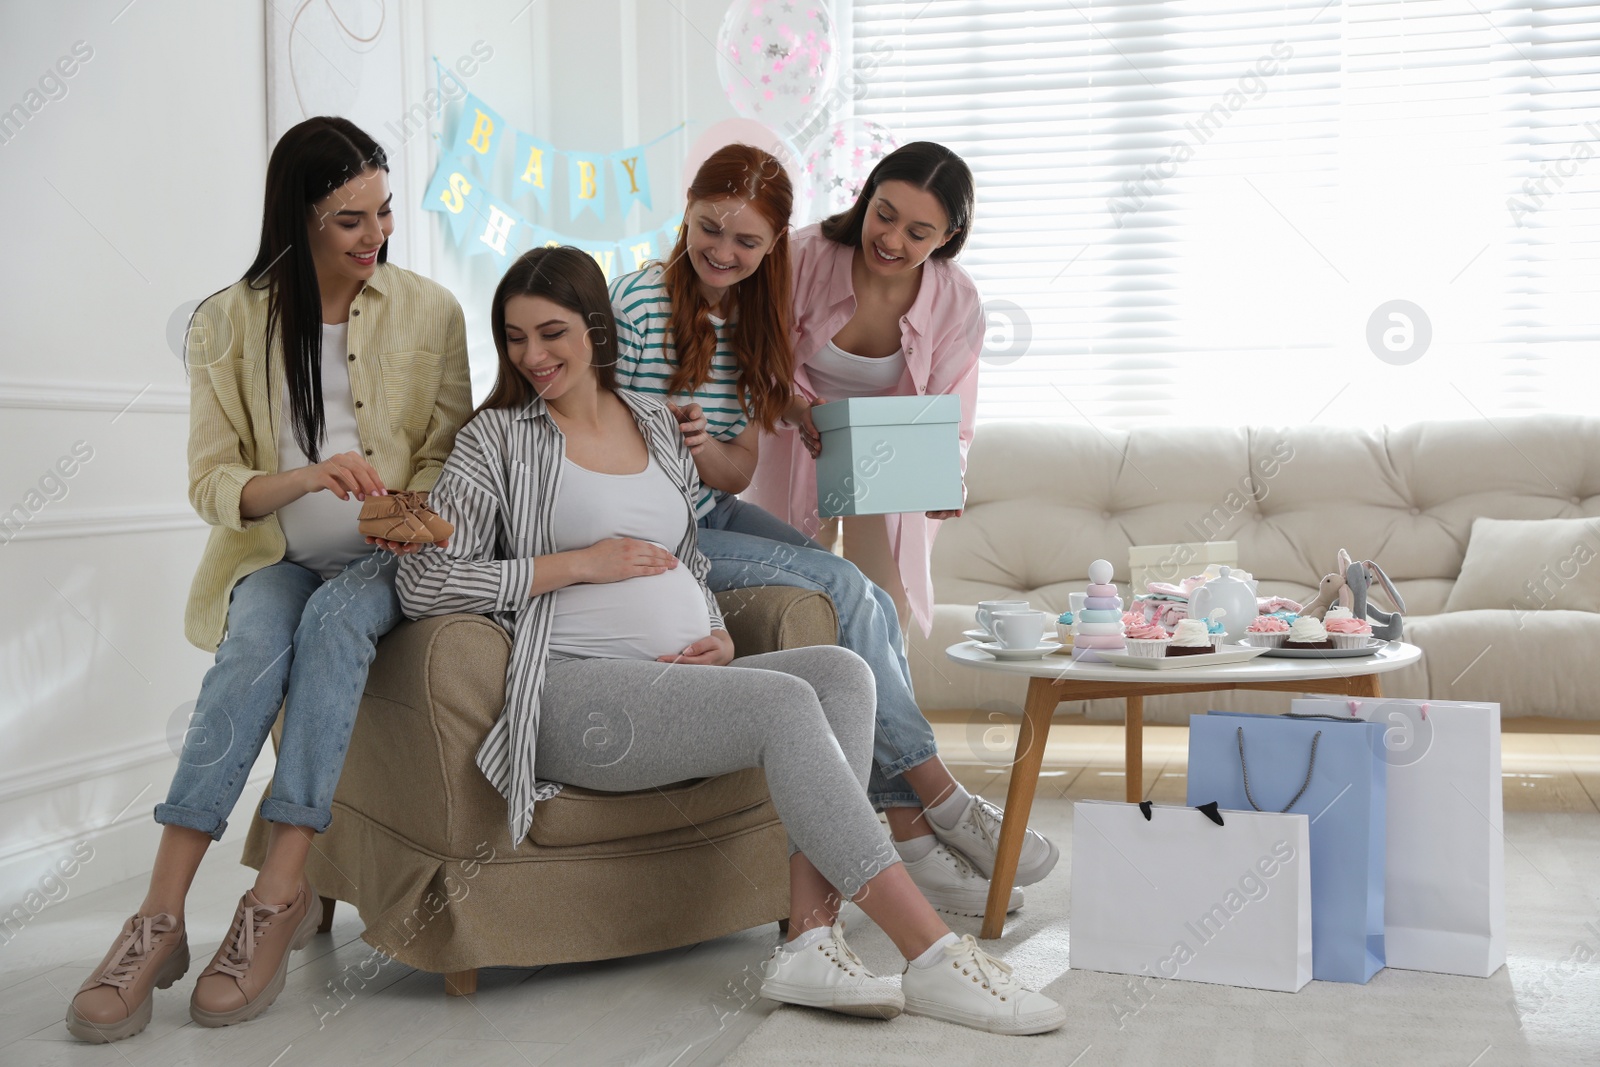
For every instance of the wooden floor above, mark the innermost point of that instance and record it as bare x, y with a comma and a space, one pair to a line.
689, 1006
1541, 771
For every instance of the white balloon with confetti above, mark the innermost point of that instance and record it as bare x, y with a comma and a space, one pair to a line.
777, 60
839, 160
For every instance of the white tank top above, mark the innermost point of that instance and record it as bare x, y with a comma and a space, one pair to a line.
319, 529
637, 618
838, 374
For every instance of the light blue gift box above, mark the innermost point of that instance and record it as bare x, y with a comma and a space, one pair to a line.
888, 454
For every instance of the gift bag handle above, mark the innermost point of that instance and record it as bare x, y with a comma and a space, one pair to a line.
1310, 766
1208, 810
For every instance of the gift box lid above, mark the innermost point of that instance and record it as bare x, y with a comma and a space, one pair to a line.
887, 411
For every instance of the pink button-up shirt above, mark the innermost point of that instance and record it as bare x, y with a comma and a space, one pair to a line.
941, 335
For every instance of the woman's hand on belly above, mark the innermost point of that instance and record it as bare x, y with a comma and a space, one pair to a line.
713, 651
620, 558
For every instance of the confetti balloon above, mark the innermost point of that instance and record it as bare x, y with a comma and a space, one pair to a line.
777, 59
839, 160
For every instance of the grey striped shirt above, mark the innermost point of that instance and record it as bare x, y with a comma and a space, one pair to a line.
499, 488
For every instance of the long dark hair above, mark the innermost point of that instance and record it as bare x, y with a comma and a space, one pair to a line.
310, 160
929, 166
762, 309
570, 278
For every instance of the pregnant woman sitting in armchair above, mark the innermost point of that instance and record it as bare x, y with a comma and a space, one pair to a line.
565, 493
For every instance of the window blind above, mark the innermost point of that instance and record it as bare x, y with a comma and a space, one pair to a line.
1207, 211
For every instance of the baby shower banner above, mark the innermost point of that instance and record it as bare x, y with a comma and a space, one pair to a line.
470, 190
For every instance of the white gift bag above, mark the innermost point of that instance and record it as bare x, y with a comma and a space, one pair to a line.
1166, 892
1445, 886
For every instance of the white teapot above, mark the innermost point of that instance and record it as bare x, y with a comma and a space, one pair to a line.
1234, 597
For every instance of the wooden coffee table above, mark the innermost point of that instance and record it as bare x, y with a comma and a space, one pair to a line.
1057, 678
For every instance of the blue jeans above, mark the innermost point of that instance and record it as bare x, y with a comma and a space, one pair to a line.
295, 640
748, 546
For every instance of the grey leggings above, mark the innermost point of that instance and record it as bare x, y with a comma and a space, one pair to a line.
804, 715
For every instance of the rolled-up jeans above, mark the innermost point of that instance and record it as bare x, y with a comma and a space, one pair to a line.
748, 546
293, 641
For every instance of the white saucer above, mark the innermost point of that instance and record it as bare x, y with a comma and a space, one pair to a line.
998, 652
984, 637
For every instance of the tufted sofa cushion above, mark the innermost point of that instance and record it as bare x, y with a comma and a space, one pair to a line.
1046, 498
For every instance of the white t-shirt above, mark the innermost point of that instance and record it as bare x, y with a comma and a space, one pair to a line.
838, 374
319, 528
637, 618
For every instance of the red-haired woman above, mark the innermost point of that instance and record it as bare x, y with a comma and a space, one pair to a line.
710, 330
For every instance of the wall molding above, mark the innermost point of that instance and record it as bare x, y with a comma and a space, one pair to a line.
61, 395
49, 525
68, 772
124, 846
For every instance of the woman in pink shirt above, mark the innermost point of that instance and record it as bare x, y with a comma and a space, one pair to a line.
881, 308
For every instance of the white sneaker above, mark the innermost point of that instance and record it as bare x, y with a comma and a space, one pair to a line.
829, 975
952, 885
970, 987
976, 835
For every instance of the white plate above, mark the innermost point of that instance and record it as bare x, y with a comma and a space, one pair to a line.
1326, 653
985, 637
1000, 653
1228, 654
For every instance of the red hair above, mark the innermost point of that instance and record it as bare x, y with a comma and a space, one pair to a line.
762, 311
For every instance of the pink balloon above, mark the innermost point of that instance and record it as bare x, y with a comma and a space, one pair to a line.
750, 132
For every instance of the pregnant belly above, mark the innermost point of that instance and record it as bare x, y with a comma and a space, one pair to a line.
640, 618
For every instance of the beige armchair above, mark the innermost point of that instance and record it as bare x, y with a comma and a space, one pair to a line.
419, 842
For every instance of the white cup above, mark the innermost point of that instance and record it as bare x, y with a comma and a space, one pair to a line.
1020, 629
987, 608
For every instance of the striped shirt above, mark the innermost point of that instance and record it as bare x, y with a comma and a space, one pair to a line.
646, 359
499, 488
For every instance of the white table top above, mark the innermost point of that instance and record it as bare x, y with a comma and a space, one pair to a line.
1391, 657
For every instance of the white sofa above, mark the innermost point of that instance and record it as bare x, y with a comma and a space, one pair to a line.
1047, 498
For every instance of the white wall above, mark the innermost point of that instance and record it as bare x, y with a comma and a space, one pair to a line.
135, 192
134, 195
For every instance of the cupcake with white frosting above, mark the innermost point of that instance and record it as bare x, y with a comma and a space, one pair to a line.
1191, 638
1307, 632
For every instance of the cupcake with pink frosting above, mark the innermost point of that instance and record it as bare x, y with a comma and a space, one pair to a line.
1267, 631
1345, 630
1144, 638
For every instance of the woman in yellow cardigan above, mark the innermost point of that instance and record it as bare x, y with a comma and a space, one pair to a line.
324, 377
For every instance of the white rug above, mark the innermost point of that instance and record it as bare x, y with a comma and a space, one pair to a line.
1542, 1008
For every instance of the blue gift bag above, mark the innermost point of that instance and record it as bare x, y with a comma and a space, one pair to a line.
1332, 771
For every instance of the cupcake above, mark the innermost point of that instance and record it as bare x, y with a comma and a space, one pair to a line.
1267, 631
1144, 638
1307, 633
1191, 638
1345, 630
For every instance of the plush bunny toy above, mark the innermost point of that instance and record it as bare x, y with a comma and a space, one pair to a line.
1348, 586
1359, 577
1333, 589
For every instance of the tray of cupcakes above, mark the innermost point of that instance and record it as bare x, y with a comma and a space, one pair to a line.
1339, 635
1195, 643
